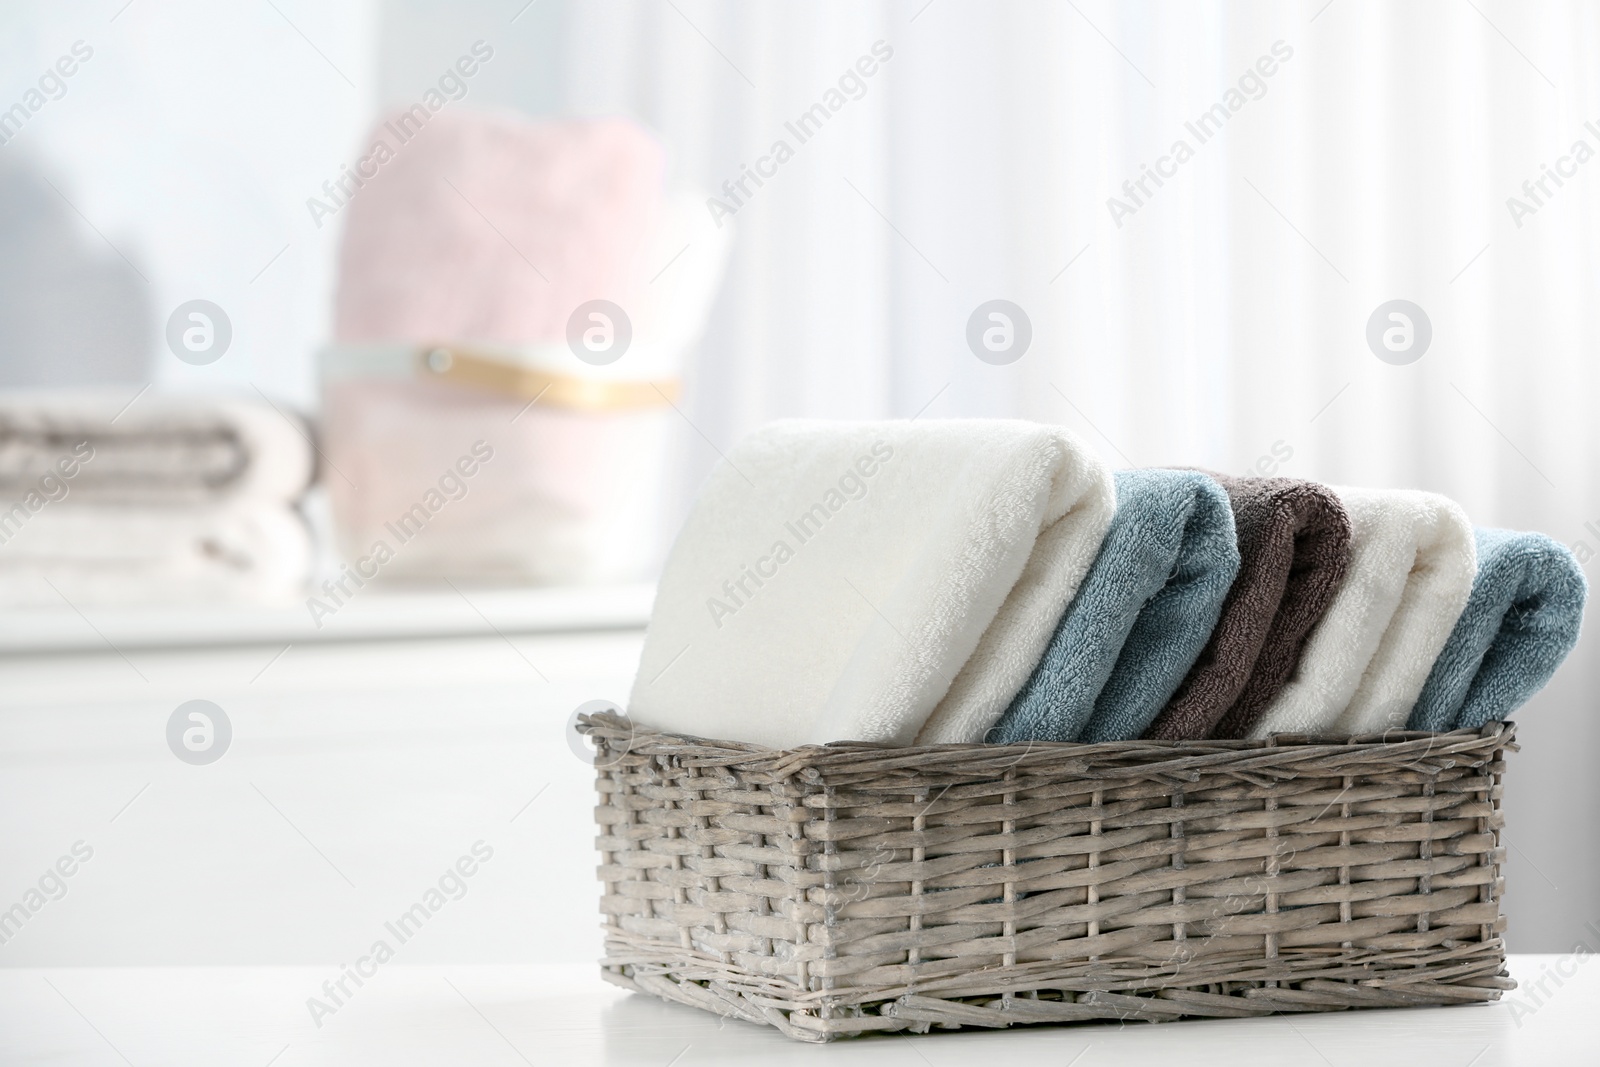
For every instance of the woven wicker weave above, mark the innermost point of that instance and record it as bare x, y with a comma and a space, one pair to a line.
830, 891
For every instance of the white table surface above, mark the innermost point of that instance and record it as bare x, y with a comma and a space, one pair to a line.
408, 1014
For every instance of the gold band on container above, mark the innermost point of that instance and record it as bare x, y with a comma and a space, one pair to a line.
460, 367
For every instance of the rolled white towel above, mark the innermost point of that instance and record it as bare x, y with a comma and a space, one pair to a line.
875, 581
1412, 561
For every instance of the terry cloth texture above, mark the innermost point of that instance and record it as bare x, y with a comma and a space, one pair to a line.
1294, 544
1141, 617
1520, 622
1412, 561
869, 580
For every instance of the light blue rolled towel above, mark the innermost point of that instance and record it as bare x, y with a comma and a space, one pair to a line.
1519, 624
1140, 618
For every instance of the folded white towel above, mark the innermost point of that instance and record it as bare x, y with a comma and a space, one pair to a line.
889, 581
184, 449
1412, 561
116, 554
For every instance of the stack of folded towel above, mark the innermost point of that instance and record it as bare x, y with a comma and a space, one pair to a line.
165, 500
979, 580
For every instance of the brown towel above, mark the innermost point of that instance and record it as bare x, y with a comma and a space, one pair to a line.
1294, 544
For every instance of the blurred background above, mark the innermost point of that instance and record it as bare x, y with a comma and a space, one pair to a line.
493, 284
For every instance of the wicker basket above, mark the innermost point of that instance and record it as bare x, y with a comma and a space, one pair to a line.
831, 891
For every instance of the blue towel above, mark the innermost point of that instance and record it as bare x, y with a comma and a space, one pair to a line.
1519, 624
1140, 618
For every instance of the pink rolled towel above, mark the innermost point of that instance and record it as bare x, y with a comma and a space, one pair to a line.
491, 228
483, 234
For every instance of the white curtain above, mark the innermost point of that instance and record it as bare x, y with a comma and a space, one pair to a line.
1224, 320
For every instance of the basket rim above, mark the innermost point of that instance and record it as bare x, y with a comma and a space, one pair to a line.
1274, 757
